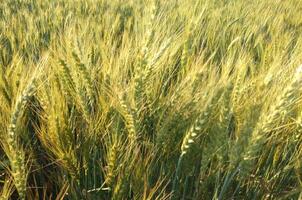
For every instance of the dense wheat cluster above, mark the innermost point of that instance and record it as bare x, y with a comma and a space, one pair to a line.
150, 99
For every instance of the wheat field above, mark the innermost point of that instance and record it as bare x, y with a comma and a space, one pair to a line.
150, 99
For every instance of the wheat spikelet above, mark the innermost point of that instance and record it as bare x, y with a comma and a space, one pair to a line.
6, 96
5, 89
111, 164
65, 85
142, 72
266, 124
198, 128
199, 125
86, 77
277, 154
130, 120
225, 111
66, 76
120, 189
150, 65
286, 99
16, 154
236, 91
70, 163
185, 54
195, 131
83, 103
150, 30
139, 89
140, 77
144, 69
